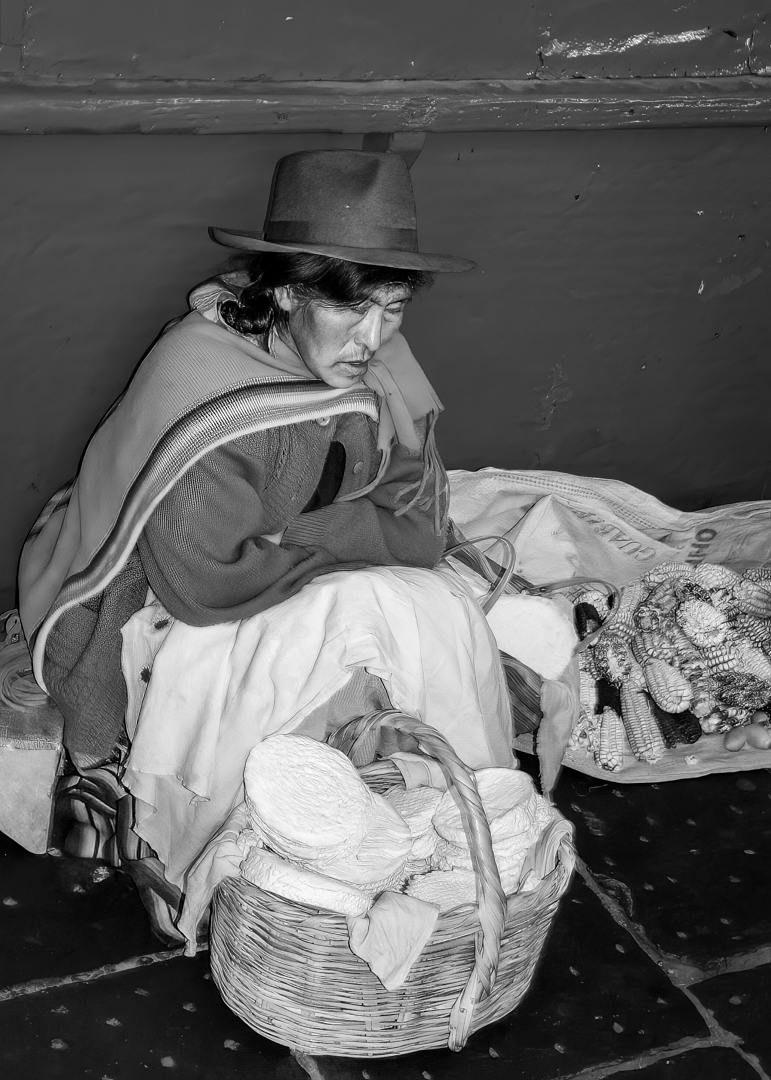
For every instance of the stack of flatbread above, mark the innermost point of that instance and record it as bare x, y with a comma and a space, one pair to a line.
328, 841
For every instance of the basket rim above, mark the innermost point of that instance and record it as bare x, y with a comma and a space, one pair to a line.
464, 916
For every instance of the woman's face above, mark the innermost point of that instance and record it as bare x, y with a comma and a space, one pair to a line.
337, 344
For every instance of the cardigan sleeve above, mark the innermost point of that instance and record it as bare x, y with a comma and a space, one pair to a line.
368, 530
204, 549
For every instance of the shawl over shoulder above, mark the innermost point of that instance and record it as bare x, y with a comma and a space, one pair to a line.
199, 387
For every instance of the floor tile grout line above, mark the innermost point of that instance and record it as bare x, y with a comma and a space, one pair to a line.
608, 1070
722, 1036
674, 970
670, 964
56, 982
759, 957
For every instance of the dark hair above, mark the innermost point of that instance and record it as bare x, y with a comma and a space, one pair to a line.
311, 277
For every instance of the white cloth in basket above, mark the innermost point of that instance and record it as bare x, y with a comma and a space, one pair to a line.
389, 935
216, 691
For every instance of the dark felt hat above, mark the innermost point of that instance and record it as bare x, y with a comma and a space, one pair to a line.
348, 204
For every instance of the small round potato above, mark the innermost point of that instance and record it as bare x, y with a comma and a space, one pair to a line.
759, 738
735, 738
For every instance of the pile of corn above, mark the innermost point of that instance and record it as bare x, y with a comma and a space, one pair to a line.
687, 652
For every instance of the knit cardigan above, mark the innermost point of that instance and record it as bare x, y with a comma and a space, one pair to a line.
205, 550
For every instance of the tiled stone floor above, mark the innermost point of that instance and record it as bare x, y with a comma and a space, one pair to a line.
658, 962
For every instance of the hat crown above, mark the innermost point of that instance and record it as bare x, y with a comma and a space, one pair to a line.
347, 198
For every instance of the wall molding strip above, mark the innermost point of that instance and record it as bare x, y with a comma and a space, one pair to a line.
115, 106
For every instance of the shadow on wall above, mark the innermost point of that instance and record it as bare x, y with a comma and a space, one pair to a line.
616, 326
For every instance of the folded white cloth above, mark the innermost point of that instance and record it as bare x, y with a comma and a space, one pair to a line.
392, 934
418, 770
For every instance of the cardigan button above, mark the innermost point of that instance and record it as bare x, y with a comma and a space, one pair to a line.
322, 421
358, 467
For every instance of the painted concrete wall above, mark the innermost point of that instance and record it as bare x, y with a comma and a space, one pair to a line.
360, 39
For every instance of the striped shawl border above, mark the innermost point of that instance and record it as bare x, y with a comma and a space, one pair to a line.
59, 501
240, 411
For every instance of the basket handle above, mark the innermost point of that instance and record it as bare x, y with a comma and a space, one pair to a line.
490, 896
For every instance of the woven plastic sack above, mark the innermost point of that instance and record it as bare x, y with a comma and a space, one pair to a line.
564, 526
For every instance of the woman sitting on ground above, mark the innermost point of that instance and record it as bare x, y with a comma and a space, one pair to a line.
280, 431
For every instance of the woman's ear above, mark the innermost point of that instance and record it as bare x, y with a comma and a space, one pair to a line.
284, 298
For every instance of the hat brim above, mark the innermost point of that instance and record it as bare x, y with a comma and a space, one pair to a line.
402, 260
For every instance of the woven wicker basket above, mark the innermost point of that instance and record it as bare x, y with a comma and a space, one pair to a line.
287, 970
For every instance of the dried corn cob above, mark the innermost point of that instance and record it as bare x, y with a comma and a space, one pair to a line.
631, 595
643, 732
752, 660
736, 715
761, 574
683, 728
754, 598
586, 618
756, 629
715, 576
636, 677
613, 656
702, 623
587, 663
652, 645
715, 722
666, 726
740, 690
687, 589
664, 596
725, 600
609, 753
585, 735
668, 687
667, 570
587, 693
648, 617
722, 657
686, 656
704, 696
599, 600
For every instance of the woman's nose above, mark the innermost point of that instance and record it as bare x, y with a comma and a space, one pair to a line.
370, 329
